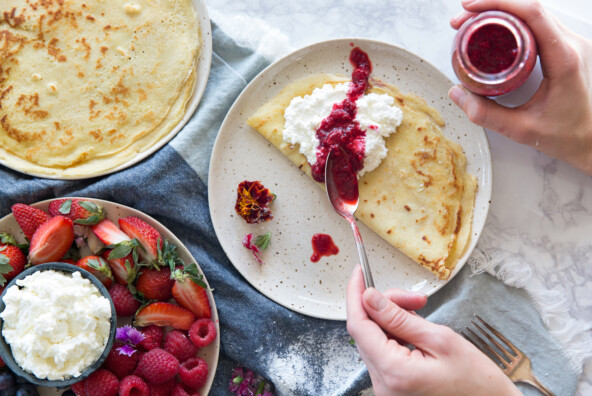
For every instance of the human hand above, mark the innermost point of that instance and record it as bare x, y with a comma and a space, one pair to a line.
442, 363
557, 120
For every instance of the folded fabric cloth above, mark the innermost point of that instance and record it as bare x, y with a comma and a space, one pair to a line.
299, 354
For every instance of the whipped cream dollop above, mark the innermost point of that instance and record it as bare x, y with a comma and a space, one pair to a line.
57, 323
376, 114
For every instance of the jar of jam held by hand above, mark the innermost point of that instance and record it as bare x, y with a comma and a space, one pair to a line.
493, 53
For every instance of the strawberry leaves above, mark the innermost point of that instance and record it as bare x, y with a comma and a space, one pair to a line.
82, 212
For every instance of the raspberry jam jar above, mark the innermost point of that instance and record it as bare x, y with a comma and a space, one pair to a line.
493, 53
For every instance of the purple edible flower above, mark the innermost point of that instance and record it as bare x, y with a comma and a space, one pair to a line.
245, 382
131, 337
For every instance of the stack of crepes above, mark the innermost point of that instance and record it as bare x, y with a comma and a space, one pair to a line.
87, 85
420, 198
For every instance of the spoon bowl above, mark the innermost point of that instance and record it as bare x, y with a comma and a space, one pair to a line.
341, 183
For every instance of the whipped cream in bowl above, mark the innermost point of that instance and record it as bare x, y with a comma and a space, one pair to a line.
57, 323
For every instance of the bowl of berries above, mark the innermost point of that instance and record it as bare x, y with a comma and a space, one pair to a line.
167, 336
58, 324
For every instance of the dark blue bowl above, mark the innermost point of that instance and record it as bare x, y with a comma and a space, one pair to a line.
6, 352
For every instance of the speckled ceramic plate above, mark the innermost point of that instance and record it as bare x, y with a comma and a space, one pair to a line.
115, 211
204, 62
302, 209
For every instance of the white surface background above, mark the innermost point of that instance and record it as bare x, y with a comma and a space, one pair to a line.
540, 221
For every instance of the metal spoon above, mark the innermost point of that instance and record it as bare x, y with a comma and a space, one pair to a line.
345, 203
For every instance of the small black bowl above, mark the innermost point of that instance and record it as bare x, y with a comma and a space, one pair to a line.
6, 352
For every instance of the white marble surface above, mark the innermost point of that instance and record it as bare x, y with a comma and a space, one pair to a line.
541, 213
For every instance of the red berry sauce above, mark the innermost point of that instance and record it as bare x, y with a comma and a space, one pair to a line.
492, 48
322, 245
340, 129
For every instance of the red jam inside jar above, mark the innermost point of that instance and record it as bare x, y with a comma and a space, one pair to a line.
493, 53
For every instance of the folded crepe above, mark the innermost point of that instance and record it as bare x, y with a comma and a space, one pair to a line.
420, 198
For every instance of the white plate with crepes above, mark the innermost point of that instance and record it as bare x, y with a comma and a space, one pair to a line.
301, 209
137, 149
114, 211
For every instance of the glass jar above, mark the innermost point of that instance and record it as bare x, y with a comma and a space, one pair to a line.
493, 53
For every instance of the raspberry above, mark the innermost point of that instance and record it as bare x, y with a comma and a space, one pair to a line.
179, 390
133, 386
179, 345
119, 363
78, 388
153, 337
123, 300
158, 366
202, 332
194, 372
101, 383
163, 389
138, 372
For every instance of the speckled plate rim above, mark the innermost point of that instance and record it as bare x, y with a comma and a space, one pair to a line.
204, 62
229, 166
115, 211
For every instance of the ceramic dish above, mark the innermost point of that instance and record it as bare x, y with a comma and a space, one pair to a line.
6, 353
115, 211
204, 61
302, 209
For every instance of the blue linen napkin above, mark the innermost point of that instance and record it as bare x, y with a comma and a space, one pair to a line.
299, 354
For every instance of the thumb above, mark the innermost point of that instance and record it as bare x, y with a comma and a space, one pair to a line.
399, 322
488, 113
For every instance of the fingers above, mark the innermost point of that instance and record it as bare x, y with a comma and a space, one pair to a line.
370, 339
553, 49
407, 300
400, 323
458, 20
487, 113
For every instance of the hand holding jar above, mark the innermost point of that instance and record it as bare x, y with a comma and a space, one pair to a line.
557, 120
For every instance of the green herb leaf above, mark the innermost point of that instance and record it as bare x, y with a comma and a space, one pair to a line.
90, 206
65, 207
237, 380
4, 261
262, 241
260, 388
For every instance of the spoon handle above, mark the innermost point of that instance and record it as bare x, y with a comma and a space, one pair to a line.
368, 281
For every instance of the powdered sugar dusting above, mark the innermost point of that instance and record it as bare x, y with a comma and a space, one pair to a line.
314, 366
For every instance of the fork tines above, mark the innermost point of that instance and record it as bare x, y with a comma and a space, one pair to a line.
504, 355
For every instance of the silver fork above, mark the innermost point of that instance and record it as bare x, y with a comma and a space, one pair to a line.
513, 362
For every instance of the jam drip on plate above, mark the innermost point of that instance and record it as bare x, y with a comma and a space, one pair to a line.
340, 129
322, 245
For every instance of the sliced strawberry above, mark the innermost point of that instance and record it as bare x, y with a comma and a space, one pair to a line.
123, 268
97, 266
29, 218
12, 263
109, 233
51, 241
78, 210
164, 314
148, 237
189, 291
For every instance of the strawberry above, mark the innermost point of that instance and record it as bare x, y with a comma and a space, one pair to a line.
29, 218
12, 263
189, 291
123, 268
97, 266
78, 210
164, 314
109, 233
119, 363
123, 300
148, 237
155, 284
158, 366
101, 383
51, 241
